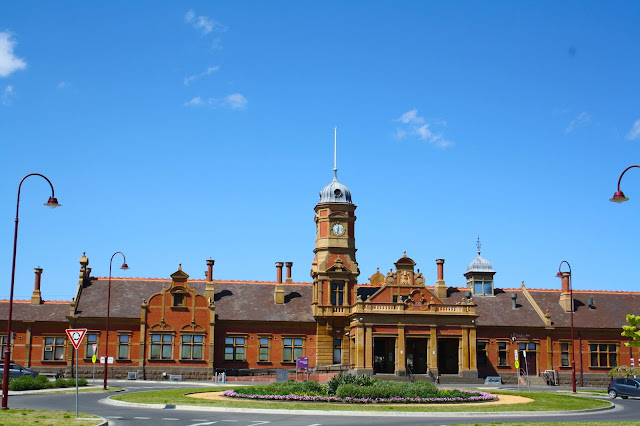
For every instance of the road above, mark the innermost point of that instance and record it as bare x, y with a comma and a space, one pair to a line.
95, 403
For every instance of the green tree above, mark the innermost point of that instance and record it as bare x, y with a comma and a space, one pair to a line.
632, 331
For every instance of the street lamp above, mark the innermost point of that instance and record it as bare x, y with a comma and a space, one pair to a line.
567, 275
53, 203
619, 197
106, 344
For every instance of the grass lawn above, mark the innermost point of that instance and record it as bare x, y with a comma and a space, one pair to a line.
543, 401
41, 417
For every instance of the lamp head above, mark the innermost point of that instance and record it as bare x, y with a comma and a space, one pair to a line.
53, 203
559, 275
619, 197
124, 266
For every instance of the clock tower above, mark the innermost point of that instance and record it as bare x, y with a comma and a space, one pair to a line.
334, 271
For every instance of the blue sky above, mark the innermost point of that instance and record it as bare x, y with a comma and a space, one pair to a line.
179, 131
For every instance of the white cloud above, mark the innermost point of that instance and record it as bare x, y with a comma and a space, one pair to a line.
415, 125
7, 95
634, 133
582, 120
9, 63
235, 101
410, 117
209, 70
203, 24
197, 101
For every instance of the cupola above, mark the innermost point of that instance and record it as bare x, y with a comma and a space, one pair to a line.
479, 275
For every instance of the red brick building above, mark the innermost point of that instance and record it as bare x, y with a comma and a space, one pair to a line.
399, 323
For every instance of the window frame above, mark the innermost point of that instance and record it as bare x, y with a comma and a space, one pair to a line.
264, 348
337, 293
59, 343
296, 350
607, 353
337, 350
482, 353
565, 352
129, 336
506, 353
161, 344
3, 346
193, 345
88, 347
235, 346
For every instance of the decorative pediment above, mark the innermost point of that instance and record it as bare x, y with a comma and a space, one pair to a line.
179, 276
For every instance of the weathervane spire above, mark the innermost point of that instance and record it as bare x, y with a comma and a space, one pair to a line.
335, 150
478, 245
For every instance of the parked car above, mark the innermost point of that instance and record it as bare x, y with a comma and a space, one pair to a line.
16, 370
624, 387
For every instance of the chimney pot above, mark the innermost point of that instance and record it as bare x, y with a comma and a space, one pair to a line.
590, 303
210, 263
514, 297
289, 265
279, 266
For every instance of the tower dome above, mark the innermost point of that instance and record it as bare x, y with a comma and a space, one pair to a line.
479, 264
335, 192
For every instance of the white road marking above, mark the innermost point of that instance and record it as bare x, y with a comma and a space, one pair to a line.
170, 418
203, 424
115, 417
142, 418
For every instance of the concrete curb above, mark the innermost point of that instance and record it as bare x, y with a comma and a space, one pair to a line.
430, 414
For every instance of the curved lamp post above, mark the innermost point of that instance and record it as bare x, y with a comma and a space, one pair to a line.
619, 197
106, 344
53, 203
561, 274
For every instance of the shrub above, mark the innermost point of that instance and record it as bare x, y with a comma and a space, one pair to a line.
29, 383
311, 388
341, 379
60, 383
398, 390
624, 371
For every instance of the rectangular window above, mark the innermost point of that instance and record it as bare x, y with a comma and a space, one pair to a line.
481, 351
337, 351
54, 348
488, 288
234, 348
192, 346
604, 355
264, 349
292, 348
161, 346
91, 339
179, 299
337, 294
502, 353
124, 343
3, 346
564, 354
477, 288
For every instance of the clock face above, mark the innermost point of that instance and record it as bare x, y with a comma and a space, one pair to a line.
337, 228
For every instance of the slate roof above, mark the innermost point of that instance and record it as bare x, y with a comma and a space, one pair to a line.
23, 310
237, 301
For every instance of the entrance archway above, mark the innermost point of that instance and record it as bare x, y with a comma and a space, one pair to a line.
448, 356
384, 349
416, 359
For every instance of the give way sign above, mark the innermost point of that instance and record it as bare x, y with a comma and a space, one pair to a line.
76, 335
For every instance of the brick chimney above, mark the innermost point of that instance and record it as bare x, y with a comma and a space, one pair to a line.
441, 288
209, 289
565, 295
36, 298
278, 295
288, 265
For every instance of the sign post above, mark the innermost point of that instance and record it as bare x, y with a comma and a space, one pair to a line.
517, 365
76, 335
93, 360
302, 366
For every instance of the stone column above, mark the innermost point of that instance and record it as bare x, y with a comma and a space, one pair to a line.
368, 357
401, 365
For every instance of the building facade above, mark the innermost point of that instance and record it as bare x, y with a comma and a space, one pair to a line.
399, 323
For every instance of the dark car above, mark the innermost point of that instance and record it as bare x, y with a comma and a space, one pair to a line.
624, 388
16, 370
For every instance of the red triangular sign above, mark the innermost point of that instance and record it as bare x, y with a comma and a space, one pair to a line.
76, 335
